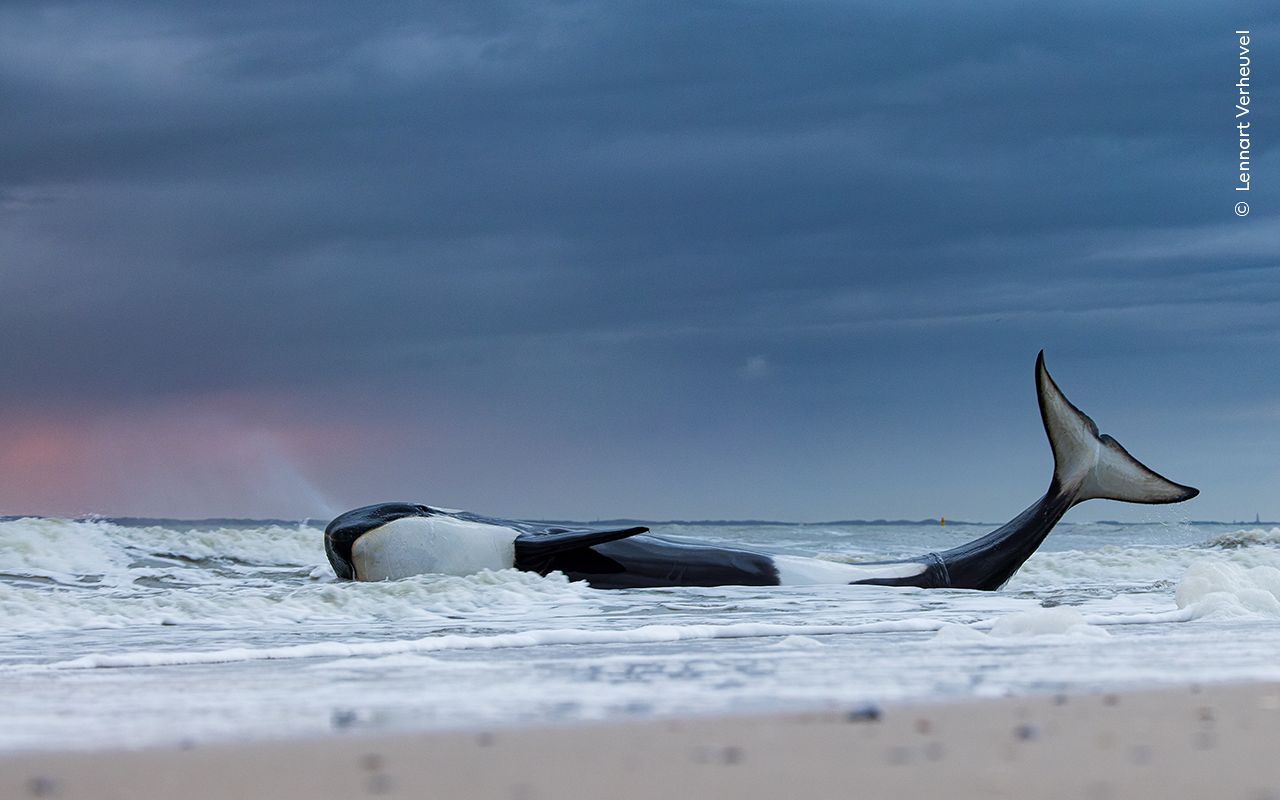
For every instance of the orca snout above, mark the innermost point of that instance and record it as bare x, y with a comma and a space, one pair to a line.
341, 534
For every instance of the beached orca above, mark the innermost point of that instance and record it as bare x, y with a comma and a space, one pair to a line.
395, 540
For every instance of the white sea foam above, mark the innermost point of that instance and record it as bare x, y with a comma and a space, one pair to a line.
648, 634
493, 595
1123, 567
1223, 588
53, 547
794, 642
76, 548
187, 611
1042, 624
1250, 537
1059, 621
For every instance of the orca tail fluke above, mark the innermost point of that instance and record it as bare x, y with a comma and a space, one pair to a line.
1090, 465
1086, 465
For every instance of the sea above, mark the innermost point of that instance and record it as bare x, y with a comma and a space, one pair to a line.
136, 633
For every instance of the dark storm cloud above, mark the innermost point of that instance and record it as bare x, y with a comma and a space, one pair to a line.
790, 213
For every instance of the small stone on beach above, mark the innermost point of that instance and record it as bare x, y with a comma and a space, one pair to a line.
864, 714
343, 718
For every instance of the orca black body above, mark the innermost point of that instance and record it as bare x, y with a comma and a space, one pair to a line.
393, 540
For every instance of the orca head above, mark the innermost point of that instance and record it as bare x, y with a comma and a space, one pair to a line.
341, 534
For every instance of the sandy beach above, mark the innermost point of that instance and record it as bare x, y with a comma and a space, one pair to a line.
1187, 742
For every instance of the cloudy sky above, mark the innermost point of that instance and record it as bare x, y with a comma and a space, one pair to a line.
577, 260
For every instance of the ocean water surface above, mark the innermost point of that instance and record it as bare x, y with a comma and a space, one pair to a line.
120, 633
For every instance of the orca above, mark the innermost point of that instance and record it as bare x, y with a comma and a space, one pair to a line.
396, 540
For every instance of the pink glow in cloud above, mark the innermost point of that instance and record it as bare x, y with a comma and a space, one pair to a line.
216, 455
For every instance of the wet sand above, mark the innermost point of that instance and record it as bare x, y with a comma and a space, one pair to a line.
1214, 741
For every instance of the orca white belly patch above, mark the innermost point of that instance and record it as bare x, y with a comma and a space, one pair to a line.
432, 545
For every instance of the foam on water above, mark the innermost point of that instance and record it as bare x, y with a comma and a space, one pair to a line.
649, 634
255, 603
133, 627
1123, 567
1060, 622
1243, 538
1218, 587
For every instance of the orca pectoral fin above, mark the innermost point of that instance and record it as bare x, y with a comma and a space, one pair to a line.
534, 550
